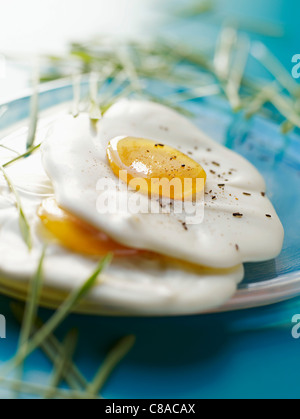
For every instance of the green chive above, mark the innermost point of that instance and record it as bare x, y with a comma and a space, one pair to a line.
62, 363
23, 222
27, 388
112, 360
94, 111
59, 316
30, 310
34, 109
195, 9
22, 156
53, 350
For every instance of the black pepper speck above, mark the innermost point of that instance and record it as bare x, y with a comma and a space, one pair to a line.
237, 215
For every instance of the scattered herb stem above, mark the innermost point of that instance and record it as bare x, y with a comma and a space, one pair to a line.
274, 66
31, 309
76, 94
23, 222
34, 108
94, 111
3, 111
9, 149
110, 363
195, 9
22, 156
53, 350
42, 391
62, 363
58, 317
236, 74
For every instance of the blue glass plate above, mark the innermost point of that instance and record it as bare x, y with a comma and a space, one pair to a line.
244, 354
275, 155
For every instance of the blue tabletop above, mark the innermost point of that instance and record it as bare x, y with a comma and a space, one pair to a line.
249, 354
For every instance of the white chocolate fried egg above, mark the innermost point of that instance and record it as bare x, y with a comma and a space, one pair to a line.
135, 284
162, 264
240, 223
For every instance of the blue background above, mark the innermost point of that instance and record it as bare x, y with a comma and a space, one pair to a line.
247, 354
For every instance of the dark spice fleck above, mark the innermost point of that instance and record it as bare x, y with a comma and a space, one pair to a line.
263, 194
268, 216
208, 150
212, 172
159, 145
238, 215
221, 185
184, 226
216, 164
183, 165
246, 194
214, 197
237, 247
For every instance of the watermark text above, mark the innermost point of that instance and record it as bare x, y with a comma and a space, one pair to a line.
2, 327
296, 67
155, 196
296, 328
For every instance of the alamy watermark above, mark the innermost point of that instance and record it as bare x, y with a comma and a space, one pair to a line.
152, 196
2, 327
296, 327
296, 67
